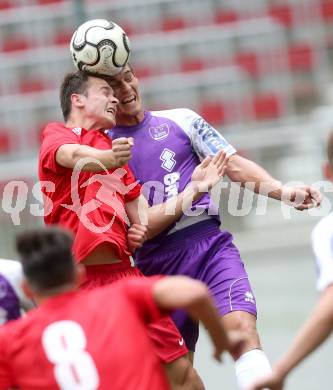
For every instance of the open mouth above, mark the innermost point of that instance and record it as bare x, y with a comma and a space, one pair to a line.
129, 100
111, 111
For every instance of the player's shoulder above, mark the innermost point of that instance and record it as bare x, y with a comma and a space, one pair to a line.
55, 126
176, 114
323, 229
182, 117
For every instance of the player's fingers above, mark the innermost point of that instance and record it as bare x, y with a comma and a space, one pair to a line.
219, 157
121, 148
123, 154
206, 162
316, 196
136, 236
223, 167
120, 141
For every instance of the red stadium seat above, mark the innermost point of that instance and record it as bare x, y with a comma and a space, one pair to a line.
171, 24
5, 4
192, 65
327, 10
213, 112
32, 85
4, 141
301, 57
226, 16
46, 2
248, 61
282, 13
63, 38
143, 71
267, 106
15, 44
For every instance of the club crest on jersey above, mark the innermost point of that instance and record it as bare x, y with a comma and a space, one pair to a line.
77, 130
160, 132
167, 156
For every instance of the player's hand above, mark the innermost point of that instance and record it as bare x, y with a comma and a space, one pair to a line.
273, 381
233, 344
136, 236
210, 171
301, 198
121, 151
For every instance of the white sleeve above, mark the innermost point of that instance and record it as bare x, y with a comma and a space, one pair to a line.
322, 245
12, 271
205, 140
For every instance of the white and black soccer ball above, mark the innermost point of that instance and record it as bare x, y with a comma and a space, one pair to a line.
99, 46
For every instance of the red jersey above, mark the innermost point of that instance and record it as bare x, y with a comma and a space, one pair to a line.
91, 205
70, 343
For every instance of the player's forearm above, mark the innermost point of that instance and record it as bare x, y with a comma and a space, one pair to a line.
163, 215
253, 176
181, 292
314, 332
92, 159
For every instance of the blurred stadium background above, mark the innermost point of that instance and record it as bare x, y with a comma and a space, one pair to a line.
260, 71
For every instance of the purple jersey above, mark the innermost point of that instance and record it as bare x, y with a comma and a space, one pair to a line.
168, 145
12, 297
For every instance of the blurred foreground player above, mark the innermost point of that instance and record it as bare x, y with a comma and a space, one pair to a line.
175, 140
12, 297
319, 325
95, 200
69, 342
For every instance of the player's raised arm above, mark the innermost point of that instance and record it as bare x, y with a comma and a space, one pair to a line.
208, 173
181, 292
70, 154
253, 176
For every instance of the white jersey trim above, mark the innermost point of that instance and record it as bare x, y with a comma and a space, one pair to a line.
322, 245
205, 140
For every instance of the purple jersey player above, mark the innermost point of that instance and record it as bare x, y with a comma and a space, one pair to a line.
12, 297
167, 147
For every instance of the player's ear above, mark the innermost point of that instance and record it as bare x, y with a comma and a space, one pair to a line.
26, 289
327, 171
77, 100
81, 275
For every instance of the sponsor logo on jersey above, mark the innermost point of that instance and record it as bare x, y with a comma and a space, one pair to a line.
210, 137
171, 182
249, 297
181, 342
167, 156
160, 132
77, 130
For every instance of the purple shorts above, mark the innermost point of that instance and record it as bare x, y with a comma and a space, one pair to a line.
9, 302
204, 252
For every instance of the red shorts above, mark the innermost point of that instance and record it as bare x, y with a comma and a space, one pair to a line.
168, 342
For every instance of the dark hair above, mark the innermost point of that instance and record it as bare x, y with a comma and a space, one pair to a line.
329, 149
46, 257
75, 82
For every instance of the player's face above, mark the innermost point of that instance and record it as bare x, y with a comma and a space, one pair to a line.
126, 90
100, 104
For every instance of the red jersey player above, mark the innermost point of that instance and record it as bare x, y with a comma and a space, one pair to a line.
91, 200
69, 343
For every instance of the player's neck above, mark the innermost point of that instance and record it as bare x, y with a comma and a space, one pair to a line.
130, 120
82, 122
40, 298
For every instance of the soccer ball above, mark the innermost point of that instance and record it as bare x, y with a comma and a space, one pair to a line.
99, 46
